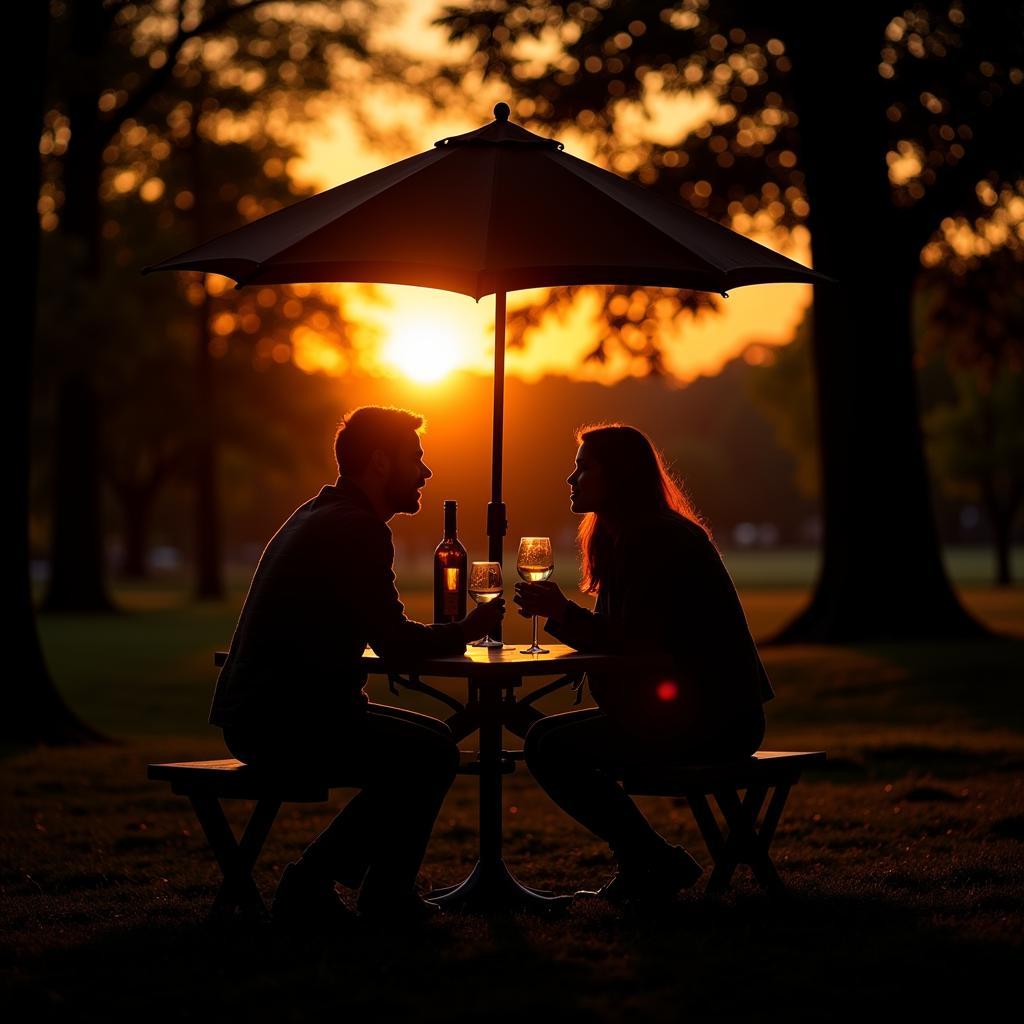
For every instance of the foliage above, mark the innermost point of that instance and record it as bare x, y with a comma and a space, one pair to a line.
949, 79
977, 439
253, 68
972, 356
784, 391
187, 110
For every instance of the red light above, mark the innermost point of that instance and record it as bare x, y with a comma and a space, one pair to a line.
667, 690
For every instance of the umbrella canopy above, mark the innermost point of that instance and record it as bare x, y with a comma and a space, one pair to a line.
496, 209
491, 211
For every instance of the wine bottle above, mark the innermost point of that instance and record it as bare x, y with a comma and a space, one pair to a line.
450, 571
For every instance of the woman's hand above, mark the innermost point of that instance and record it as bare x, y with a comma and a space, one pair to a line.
543, 598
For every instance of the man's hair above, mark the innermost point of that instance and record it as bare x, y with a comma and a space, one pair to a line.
368, 429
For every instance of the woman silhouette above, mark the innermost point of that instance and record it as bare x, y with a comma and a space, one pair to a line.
664, 594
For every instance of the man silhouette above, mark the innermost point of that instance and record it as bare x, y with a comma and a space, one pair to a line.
290, 695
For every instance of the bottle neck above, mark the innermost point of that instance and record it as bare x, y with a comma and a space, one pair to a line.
450, 513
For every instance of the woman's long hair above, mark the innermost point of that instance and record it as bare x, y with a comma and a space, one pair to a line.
638, 485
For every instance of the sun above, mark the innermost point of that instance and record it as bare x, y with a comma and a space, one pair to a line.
423, 351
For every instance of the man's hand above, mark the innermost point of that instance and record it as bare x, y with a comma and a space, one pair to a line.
543, 598
482, 619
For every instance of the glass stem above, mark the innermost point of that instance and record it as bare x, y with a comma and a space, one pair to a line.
535, 631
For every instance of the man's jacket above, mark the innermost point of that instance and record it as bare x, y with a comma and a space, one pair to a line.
323, 589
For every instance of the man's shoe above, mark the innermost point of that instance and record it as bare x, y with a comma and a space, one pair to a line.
407, 909
656, 881
305, 902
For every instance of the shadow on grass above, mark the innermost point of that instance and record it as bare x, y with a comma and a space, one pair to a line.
902, 759
962, 684
813, 954
973, 679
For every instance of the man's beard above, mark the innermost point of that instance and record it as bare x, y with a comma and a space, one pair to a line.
403, 498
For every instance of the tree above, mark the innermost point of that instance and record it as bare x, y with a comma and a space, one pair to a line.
163, 332
124, 75
35, 711
106, 64
784, 391
972, 348
870, 136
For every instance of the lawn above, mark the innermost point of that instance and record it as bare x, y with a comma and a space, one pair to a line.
902, 855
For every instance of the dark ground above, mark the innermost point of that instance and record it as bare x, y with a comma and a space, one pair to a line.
902, 856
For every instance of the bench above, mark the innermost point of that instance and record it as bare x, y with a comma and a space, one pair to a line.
206, 783
742, 842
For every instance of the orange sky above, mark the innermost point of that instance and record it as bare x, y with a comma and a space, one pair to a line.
427, 331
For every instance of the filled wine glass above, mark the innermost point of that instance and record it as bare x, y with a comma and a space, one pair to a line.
485, 585
536, 562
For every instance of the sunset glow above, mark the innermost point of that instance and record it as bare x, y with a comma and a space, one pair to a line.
424, 335
425, 351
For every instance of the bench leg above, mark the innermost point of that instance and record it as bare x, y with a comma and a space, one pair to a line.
744, 843
751, 847
712, 838
774, 812
236, 860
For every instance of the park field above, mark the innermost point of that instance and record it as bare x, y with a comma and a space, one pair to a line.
902, 854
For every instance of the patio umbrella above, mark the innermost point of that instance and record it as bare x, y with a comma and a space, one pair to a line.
491, 211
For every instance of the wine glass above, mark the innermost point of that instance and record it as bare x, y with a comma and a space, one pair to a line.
485, 585
536, 562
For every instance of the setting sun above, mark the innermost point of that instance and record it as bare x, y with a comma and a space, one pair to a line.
425, 352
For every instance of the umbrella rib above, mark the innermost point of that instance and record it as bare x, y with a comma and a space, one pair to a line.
490, 220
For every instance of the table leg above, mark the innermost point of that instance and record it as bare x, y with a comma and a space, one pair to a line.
491, 886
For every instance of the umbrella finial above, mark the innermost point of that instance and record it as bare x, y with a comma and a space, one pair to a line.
501, 111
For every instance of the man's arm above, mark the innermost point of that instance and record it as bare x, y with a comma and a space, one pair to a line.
388, 630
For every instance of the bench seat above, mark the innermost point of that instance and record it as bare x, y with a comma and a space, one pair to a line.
741, 841
764, 766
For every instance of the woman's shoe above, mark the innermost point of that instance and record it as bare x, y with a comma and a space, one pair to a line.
655, 881
617, 890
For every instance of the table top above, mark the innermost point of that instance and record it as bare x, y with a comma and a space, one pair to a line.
492, 663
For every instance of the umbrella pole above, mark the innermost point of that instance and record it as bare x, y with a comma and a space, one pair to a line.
497, 525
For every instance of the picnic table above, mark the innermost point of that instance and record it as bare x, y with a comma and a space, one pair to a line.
493, 678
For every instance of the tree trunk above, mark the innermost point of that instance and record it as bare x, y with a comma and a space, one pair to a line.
1004, 576
136, 511
33, 709
77, 560
77, 582
1001, 515
882, 575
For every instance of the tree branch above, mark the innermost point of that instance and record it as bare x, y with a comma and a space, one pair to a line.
156, 81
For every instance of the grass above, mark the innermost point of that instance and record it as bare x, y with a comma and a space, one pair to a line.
902, 855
